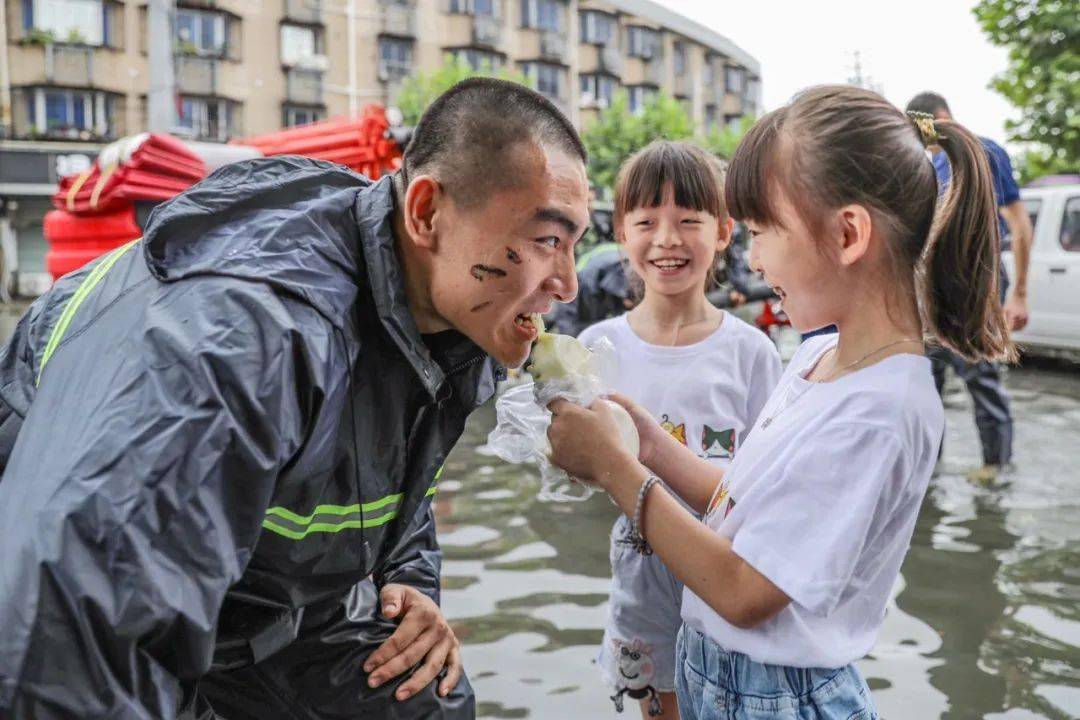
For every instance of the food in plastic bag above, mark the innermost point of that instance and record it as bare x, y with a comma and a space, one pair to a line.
561, 367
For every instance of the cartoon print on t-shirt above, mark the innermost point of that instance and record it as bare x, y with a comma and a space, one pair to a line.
636, 666
677, 431
718, 443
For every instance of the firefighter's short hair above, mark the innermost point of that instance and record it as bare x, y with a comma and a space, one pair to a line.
465, 137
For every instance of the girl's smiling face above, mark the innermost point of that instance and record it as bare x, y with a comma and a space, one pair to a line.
797, 268
672, 248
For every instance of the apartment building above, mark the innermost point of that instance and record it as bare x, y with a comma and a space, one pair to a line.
75, 73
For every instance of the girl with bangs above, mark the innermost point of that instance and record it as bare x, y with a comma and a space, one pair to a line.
788, 577
703, 372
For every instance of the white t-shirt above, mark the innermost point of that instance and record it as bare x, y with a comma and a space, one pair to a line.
823, 501
708, 394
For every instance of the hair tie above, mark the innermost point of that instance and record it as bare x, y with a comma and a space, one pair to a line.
924, 123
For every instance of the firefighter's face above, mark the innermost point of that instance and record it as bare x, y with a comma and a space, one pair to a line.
498, 259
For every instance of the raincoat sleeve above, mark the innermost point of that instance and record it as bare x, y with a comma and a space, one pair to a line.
112, 585
416, 560
16, 381
20, 356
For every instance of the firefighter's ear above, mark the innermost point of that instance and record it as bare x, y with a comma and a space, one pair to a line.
422, 200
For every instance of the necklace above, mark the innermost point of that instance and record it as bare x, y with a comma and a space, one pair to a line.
835, 373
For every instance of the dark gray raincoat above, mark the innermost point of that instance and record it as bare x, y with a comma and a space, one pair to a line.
218, 443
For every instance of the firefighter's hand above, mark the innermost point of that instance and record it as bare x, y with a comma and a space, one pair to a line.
423, 636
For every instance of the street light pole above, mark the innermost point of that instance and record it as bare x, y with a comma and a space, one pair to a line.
161, 98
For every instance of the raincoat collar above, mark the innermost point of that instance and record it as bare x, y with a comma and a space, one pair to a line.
375, 213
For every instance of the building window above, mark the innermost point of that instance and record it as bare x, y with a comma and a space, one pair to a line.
642, 42
548, 78
75, 114
597, 28
300, 45
708, 73
597, 90
640, 96
395, 59
477, 59
295, 115
74, 21
486, 8
200, 33
733, 80
679, 58
205, 118
710, 118
542, 14
733, 121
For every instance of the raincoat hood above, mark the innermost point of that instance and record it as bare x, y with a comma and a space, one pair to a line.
286, 221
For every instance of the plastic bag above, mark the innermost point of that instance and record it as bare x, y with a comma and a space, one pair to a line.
522, 420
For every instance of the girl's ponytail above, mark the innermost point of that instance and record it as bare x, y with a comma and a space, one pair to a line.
959, 290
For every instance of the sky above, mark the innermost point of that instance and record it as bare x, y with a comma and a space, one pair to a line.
906, 46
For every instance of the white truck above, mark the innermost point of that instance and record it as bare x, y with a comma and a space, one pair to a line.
1054, 273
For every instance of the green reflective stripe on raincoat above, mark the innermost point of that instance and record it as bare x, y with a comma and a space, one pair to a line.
76, 300
335, 518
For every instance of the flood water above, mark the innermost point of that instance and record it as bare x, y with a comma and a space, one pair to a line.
985, 621
986, 617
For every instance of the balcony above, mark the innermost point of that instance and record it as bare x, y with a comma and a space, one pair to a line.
683, 86
309, 12
71, 65
656, 72
399, 19
486, 31
304, 87
715, 93
553, 46
196, 75
609, 60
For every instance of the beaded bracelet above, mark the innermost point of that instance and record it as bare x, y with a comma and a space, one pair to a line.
633, 536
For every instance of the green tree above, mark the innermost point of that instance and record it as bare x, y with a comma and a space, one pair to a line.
420, 90
723, 141
618, 133
1042, 80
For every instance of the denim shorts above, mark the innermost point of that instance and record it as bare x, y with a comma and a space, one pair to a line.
714, 684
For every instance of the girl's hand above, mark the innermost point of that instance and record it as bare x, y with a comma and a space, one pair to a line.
651, 436
585, 442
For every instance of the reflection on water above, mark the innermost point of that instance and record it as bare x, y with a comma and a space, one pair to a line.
986, 617
985, 622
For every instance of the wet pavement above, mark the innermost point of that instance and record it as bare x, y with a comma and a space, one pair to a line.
985, 621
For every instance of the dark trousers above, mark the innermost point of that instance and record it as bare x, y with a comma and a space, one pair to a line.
983, 380
992, 416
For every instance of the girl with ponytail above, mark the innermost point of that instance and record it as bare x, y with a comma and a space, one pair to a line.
789, 572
